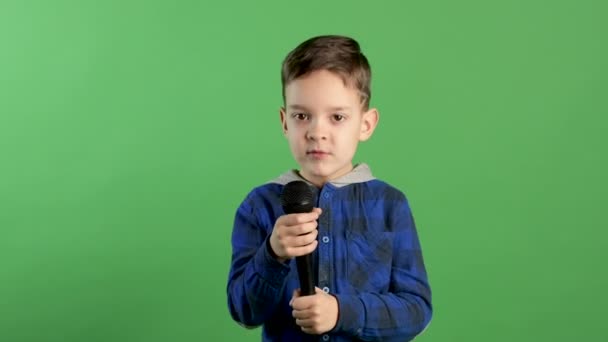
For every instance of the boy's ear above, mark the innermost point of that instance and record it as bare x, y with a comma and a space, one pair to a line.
369, 121
283, 116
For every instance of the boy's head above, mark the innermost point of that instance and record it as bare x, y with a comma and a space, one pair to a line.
339, 54
326, 91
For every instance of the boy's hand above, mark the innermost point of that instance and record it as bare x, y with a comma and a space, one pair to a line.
316, 314
295, 235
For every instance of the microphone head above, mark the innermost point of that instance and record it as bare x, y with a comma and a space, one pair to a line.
297, 197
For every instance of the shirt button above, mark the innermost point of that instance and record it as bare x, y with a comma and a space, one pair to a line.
326, 290
325, 239
326, 337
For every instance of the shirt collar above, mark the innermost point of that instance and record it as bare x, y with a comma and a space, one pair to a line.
359, 174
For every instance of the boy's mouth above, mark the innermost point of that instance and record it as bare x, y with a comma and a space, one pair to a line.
317, 153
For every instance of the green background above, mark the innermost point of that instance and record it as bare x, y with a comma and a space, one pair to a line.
131, 130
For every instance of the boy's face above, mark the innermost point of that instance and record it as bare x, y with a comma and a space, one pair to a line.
324, 121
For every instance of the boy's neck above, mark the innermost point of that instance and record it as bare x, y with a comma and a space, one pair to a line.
319, 182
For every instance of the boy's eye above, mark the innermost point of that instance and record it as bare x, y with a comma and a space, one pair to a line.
300, 116
339, 117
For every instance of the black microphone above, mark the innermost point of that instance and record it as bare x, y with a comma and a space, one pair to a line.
297, 197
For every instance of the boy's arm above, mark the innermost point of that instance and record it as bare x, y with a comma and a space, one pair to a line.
406, 310
256, 278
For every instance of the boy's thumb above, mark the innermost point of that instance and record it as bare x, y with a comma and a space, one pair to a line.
296, 294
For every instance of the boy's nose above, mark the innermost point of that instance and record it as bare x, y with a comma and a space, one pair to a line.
316, 131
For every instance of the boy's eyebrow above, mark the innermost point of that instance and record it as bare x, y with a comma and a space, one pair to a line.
304, 108
298, 107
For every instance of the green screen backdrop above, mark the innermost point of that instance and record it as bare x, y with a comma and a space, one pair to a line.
131, 130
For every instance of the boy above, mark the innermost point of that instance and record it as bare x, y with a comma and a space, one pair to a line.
370, 276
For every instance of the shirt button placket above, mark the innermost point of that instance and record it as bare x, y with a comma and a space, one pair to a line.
324, 252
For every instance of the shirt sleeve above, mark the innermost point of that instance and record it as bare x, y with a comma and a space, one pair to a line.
405, 310
256, 279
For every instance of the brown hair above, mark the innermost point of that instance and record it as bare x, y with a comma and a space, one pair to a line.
338, 54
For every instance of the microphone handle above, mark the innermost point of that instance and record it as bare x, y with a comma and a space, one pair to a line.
304, 264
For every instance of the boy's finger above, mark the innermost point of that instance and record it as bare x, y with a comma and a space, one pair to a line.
301, 250
294, 219
303, 229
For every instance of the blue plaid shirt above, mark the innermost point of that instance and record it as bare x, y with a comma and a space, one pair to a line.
368, 257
